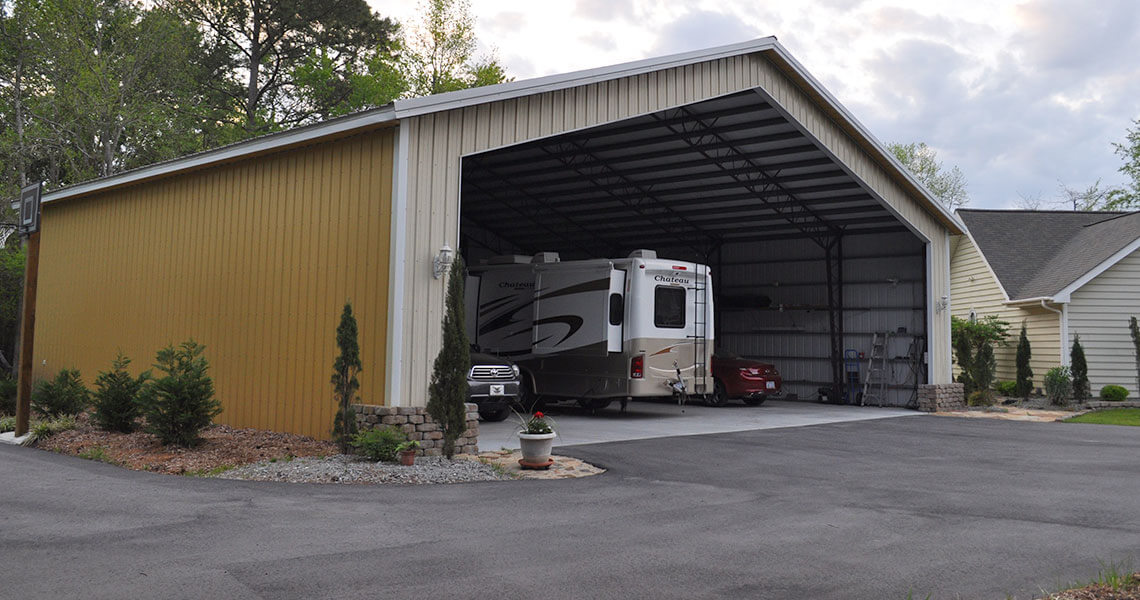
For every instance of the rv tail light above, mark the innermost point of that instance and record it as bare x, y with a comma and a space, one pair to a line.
637, 367
680, 268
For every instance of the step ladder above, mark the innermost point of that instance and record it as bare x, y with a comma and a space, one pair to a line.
700, 335
875, 385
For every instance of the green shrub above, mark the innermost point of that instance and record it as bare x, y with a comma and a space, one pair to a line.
46, 429
63, 395
117, 396
379, 444
346, 367
181, 403
7, 424
1080, 371
1113, 393
1007, 388
1024, 384
8, 387
973, 343
1058, 385
981, 398
447, 393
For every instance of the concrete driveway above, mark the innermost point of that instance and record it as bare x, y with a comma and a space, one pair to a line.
956, 508
645, 420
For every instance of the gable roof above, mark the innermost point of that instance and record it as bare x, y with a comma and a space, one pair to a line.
1040, 254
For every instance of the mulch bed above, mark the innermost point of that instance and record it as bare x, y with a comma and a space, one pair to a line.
1100, 591
222, 446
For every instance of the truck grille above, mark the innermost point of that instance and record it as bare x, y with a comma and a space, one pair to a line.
501, 372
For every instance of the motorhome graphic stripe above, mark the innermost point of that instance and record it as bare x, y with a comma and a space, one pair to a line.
596, 285
573, 321
487, 307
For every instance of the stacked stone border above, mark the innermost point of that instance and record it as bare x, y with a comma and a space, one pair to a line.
941, 397
418, 425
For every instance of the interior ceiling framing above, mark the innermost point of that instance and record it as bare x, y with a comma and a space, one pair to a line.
730, 169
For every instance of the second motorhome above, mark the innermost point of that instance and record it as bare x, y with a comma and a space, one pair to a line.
596, 330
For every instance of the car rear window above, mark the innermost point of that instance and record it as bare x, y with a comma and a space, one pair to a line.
669, 307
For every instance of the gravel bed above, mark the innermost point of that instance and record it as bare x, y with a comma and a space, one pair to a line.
351, 469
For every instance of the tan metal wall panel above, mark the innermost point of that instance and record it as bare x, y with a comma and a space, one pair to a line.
975, 289
1099, 314
438, 140
253, 259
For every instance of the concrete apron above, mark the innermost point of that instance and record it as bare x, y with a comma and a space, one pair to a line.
644, 420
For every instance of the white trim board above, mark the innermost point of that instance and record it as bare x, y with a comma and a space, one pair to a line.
1065, 294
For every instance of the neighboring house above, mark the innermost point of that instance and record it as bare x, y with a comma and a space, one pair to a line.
1062, 273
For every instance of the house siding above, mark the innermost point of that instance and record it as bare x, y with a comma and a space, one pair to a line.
975, 288
438, 140
253, 259
1098, 312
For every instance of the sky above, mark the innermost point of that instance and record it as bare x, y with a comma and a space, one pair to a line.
1021, 96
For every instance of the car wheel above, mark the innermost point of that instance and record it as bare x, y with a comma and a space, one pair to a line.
719, 397
594, 403
755, 400
495, 415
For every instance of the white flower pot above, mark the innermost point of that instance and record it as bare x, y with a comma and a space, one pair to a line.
536, 446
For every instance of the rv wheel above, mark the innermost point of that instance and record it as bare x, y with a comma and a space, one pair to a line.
719, 397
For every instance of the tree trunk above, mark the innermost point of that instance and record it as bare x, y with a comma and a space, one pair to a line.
255, 56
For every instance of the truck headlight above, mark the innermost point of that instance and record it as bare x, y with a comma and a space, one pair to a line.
515, 368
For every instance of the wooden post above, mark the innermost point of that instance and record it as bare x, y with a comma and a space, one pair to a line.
27, 333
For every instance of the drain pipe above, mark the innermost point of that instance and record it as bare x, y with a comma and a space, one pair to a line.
1063, 313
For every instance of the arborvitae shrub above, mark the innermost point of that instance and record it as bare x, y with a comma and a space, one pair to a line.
1024, 384
180, 403
345, 368
116, 396
448, 391
62, 395
1080, 370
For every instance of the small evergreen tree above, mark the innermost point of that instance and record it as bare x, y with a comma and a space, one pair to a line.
61, 396
1080, 370
181, 403
1024, 384
973, 342
448, 391
345, 369
1134, 329
117, 396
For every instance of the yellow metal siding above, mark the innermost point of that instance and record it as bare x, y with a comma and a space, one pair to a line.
438, 140
1099, 312
253, 259
975, 288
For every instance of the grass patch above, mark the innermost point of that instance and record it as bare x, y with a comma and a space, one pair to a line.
7, 424
1111, 416
98, 453
46, 429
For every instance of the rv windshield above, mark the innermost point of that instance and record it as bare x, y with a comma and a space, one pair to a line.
669, 307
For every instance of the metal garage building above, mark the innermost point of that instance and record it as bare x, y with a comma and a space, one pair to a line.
734, 156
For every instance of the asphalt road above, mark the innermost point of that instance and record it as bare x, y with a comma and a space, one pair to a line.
872, 509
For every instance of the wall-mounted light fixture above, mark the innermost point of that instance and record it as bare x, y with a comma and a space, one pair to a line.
442, 262
942, 304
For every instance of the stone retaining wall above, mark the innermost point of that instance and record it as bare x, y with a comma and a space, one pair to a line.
419, 426
939, 397
1098, 404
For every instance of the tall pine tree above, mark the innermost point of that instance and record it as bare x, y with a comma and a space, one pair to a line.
1080, 368
1024, 372
448, 391
345, 368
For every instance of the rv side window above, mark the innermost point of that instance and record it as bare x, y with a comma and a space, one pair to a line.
617, 308
669, 307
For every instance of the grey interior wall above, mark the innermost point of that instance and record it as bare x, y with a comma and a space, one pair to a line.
772, 302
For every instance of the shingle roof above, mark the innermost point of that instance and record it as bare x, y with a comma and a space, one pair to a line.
1037, 253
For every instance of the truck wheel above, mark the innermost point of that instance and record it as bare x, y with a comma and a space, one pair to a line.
719, 397
495, 415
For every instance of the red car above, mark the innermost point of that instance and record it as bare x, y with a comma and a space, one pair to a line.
738, 377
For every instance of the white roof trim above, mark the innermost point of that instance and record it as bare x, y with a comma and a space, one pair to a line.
515, 89
226, 153
1065, 295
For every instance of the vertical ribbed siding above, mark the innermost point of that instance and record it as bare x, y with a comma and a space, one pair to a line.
438, 140
975, 288
253, 259
1099, 312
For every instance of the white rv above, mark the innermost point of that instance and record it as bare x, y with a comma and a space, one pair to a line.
596, 330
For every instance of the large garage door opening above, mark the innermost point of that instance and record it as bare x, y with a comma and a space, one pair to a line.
810, 271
